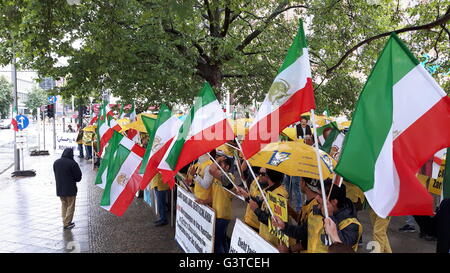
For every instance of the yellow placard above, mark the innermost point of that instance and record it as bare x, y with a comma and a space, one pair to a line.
435, 185
278, 205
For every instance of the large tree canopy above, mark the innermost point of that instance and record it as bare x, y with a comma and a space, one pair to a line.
5, 97
163, 50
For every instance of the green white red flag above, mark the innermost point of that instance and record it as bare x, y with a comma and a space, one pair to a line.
204, 129
109, 155
385, 146
123, 178
290, 95
164, 131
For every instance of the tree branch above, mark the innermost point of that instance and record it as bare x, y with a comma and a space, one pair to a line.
428, 26
280, 9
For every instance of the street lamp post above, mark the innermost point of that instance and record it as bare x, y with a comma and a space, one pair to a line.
15, 106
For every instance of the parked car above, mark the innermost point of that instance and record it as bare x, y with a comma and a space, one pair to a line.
5, 123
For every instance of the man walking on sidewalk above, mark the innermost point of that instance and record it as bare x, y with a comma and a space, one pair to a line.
67, 174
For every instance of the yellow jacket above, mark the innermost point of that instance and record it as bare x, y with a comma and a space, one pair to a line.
221, 200
158, 183
264, 229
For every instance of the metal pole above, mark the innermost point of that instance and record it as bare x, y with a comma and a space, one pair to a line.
43, 122
319, 164
39, 127
171, 206
54, 131
14, 81
64, 117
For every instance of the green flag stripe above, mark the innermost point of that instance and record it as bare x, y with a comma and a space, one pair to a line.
372, 118
109, 153
206, 96
446, 181
114, 164
163, 115
296, 49
326, 147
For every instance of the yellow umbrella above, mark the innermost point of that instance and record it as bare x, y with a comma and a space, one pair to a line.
290, 132
240, 126
346, 124
293, 158
123, 122
138, 125
90, 128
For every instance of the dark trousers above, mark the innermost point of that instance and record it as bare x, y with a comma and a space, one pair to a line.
161, 197
88, 151
220, 240
443, 227
80, 149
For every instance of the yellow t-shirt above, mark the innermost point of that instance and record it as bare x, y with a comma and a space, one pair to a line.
221, 200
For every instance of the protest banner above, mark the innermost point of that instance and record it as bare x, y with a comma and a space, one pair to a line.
246, 240
278, 204
195, 223
66, 140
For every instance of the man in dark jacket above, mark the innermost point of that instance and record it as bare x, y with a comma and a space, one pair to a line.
67, 174
303, 128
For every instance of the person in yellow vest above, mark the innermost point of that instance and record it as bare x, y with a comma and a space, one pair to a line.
197, 172
219, 200
312, 234
310, 188
161, 190
88, 138
274, 180
250, 217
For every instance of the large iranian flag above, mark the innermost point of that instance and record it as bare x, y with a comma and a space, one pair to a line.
164, 131
290, 95
110, 153
402, 118
123, 178
204, 129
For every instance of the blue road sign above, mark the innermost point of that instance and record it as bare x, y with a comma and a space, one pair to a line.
52, 99
22, 122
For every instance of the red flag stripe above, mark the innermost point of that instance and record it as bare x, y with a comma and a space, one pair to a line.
412, 150
127, 195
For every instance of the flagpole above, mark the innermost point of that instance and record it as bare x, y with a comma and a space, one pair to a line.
256, 180
223, 171
319, 165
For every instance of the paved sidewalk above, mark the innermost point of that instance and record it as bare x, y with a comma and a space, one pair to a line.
31, 217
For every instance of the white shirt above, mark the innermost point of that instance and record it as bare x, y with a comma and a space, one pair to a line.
207, 179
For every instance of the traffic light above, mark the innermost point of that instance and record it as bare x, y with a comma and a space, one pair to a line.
50, 110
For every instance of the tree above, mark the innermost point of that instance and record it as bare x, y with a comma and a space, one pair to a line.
36, 98
162, 50
5, 97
